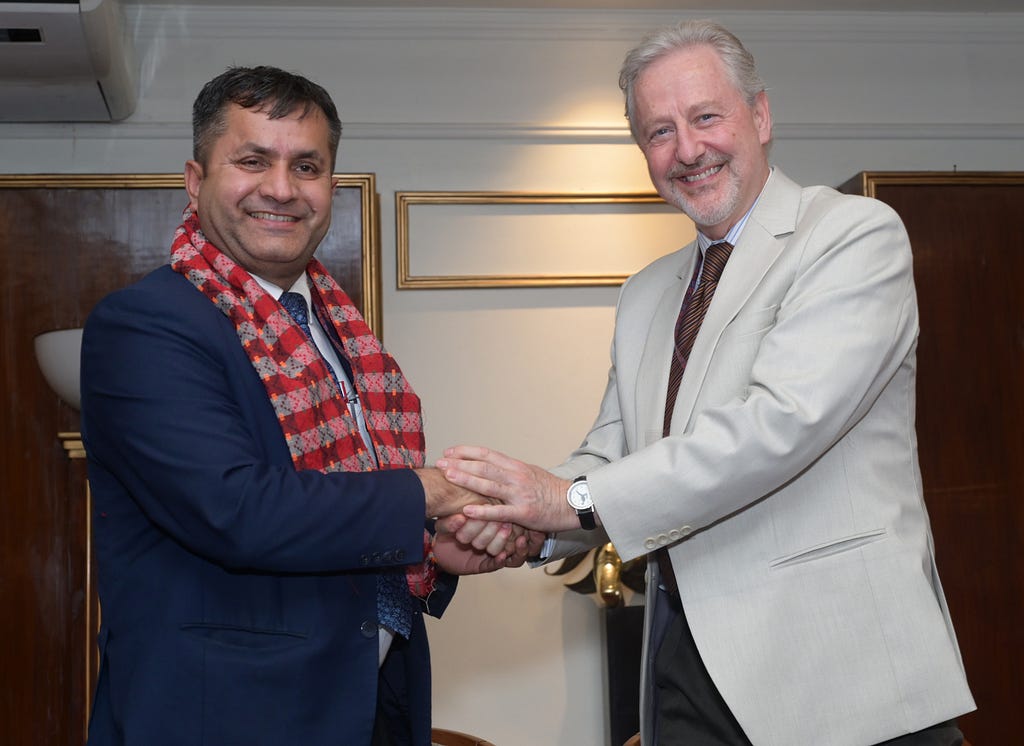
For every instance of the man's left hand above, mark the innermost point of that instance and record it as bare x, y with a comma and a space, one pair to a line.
466, 547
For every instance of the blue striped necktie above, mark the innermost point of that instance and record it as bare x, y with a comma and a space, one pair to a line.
395, 605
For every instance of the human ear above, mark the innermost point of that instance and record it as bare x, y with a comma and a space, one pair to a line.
193, 180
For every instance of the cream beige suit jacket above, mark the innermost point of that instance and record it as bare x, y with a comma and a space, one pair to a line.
788, 492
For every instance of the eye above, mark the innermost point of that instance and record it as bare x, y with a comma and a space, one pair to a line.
660, 133
251, 163
307, 169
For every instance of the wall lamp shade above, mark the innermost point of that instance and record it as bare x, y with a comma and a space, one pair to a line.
58, 353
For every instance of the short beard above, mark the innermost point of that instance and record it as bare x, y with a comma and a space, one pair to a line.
707, 215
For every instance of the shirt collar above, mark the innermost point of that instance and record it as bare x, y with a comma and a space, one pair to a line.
301, 287
734, 233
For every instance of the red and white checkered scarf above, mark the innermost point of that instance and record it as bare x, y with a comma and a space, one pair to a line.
314, 417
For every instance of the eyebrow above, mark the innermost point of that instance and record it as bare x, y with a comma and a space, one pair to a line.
707, 103
303, 155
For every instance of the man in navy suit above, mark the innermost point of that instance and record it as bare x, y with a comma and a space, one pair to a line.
256, 464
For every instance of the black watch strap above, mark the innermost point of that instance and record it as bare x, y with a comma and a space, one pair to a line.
587, 519
585, 514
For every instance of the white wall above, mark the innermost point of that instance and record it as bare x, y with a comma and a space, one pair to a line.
510, 100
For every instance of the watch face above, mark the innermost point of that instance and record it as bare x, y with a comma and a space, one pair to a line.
579, 496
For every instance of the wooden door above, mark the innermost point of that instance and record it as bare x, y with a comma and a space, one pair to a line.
967, 235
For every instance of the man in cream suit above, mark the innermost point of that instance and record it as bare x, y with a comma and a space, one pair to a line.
782, 489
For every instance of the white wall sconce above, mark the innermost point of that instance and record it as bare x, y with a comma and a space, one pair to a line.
58, 353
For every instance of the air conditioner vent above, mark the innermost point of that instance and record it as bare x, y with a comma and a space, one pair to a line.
20, 35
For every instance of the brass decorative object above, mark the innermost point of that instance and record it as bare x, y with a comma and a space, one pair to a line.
608, 575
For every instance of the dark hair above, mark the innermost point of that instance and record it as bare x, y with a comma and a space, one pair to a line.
269, 89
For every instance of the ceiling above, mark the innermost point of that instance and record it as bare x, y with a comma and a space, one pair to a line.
910, 6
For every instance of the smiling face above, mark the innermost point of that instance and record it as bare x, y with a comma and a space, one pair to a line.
704, 145
263, 192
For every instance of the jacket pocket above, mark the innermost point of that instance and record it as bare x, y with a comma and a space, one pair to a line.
829, 549
756, 322
246, 638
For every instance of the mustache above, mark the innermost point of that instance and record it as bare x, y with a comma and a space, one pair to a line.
706, 161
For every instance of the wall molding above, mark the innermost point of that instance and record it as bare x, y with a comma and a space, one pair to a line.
340, 24
518, 132
153, 25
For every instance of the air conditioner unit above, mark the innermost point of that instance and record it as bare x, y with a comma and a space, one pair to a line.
67, 61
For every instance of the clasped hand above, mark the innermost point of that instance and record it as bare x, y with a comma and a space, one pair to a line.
528, 495
507, 509
463, 546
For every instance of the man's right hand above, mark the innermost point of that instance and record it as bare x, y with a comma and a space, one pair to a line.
444, 498
524, 494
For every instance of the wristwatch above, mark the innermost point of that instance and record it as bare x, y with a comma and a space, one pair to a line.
579, 499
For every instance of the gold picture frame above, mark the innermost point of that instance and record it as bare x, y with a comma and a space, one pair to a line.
587, 225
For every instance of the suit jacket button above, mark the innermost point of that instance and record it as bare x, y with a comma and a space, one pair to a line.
400, 555
387, 557
376, 558
368, 629
650, 544
365, 559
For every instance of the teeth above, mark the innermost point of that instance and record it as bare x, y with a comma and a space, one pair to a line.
273, 217
703, 174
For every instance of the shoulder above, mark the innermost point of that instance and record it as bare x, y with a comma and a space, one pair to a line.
819, 218
161, 282
162, 293
858, 236
162, 310
785, 208
828, 217
820, 200
811, 205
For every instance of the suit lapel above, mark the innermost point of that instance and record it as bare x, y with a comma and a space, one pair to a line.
652, 376
759, 245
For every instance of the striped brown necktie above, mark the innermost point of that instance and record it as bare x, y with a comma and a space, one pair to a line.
690, 317
695, 305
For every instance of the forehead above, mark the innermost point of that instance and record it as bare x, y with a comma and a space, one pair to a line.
296, 132
685, 74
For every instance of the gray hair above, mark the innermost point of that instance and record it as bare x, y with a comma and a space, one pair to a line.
739, 63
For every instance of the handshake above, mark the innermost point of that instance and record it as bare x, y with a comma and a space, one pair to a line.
492, 510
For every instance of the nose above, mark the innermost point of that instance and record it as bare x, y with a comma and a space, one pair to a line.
278, 183
689, 146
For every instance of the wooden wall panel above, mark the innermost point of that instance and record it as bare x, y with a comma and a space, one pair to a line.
65, 242
968, 244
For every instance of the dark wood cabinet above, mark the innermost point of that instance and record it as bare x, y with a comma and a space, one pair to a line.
967, 235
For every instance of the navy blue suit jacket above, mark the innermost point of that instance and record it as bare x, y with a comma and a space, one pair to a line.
238, 595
